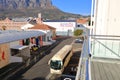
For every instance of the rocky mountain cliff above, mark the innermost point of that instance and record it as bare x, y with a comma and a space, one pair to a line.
19, 4
30, 8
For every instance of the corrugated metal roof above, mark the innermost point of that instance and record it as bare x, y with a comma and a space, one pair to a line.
20, 19
10, 36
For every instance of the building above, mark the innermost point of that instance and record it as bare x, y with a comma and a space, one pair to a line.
50, 33
12, 40
106, 23
103, 43
26, 26
25, 23
83, 21
17, 23
9, 24
63, 27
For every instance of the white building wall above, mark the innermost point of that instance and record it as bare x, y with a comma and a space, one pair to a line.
62, 26
107, 17
49, 35
107, 22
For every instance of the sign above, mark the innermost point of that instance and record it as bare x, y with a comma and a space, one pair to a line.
66, 24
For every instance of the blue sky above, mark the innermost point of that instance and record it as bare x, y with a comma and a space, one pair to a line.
74, 6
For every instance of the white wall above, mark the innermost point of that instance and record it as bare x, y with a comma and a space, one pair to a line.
107, 22
107, 17
62, 26
49, 34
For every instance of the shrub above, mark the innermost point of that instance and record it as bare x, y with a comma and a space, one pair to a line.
78, 32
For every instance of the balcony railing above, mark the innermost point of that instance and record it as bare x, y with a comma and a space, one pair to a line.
102, 46
105, 46
81, 72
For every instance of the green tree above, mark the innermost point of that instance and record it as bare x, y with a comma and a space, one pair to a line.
78, 32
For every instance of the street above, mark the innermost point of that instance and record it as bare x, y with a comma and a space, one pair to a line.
41, 69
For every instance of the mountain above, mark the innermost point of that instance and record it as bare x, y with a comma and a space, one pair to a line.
20, 4
30, 8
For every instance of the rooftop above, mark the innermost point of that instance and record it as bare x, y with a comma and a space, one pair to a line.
82, 21
42, 27
12, 35
59, 21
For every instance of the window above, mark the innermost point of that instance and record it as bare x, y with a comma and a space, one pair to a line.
56, 64
43, 38
66, 57
47, 38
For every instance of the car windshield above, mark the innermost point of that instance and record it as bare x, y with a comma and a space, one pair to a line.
55, 64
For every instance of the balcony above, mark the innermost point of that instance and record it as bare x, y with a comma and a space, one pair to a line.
104, 63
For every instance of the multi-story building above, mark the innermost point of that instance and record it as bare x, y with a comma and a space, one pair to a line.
103, 43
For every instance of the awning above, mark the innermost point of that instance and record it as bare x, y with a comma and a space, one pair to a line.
10, 36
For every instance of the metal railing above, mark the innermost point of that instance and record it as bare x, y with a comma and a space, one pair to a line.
82, 61
106, 46
105, 43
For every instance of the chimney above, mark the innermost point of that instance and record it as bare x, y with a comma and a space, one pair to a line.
39, 15
39, 19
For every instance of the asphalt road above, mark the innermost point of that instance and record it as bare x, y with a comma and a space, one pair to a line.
41, 69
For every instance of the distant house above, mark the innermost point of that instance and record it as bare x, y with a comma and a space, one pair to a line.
17, 23
83, 21
63, 27
9, 24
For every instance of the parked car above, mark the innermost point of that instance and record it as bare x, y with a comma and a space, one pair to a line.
78, 41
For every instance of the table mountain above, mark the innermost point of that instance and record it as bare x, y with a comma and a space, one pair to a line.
19, 4
27, 8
